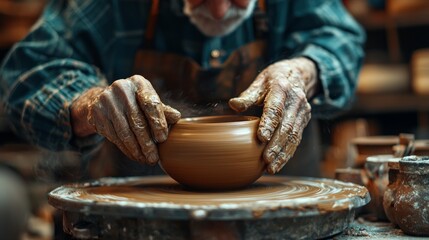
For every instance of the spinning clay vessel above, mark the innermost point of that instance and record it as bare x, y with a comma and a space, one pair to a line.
213, 153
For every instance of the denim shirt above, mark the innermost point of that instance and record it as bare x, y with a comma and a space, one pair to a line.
79, 44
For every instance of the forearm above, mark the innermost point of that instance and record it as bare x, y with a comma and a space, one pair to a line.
79, 113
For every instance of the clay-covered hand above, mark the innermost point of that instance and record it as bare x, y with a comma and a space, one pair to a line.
128, 113
283, 88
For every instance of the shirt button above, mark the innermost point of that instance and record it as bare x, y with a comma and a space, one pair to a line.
316, 101
215, 53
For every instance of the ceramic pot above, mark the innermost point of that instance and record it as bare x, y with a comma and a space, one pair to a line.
376, 171
213, 153
373, 145
390, 192
411, 204
421, 147
352, 175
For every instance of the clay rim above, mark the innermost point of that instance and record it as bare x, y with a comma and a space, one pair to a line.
384, 158
389, 159
217, 120
414, 164
393, 163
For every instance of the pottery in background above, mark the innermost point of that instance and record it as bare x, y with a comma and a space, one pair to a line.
373, 145
377, 179
352, 175
390, 192
411, 199
421, 147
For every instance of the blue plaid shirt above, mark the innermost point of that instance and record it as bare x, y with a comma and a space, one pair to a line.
79, 44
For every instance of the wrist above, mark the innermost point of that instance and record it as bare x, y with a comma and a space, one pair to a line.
308, 71
79, 112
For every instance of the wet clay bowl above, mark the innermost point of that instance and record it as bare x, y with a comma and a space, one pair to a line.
213, 153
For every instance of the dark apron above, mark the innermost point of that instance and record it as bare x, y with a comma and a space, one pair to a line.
194, 91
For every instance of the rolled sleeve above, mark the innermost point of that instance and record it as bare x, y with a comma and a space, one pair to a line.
336, 94
324, 32
46, 71
43, 112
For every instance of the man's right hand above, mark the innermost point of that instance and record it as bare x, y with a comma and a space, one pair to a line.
128, 113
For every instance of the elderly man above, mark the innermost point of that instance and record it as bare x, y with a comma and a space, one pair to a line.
91, 70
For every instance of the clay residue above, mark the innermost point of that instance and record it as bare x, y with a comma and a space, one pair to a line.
267, 194
356, 232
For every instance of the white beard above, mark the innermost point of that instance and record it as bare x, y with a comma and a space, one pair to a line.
209, 26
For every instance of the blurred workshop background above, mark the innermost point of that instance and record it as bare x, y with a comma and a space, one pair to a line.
392, 98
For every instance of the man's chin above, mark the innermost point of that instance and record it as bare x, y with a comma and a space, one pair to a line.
202, 19
215, 32
215, 29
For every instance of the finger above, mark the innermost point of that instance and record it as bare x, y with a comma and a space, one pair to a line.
253, 95
292, 142
171, 114
141, 130
137, 124
93, 108
115, 139
105, 128
282, 159
151, 105
116, 114
280, 136
274, 107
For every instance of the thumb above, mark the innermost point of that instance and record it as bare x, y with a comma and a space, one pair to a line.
171, 114
253, 95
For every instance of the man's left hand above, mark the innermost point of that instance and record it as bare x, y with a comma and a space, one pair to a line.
283, 88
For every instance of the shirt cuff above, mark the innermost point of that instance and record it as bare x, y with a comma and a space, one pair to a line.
46, 115
335, 95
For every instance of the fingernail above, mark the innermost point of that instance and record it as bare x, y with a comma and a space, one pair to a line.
279, 168
177, 115
274, 168
271, 169
237, 104
264, 135
162, 136
152, 159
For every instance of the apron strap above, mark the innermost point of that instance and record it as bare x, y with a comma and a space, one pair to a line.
260, 20
262, 5
151, 24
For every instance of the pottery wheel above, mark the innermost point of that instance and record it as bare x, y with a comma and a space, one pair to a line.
162, 198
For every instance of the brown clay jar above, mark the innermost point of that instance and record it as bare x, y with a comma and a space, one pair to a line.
376, 171
373, 145
411, 204
390, 192
213, 153
421, 147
